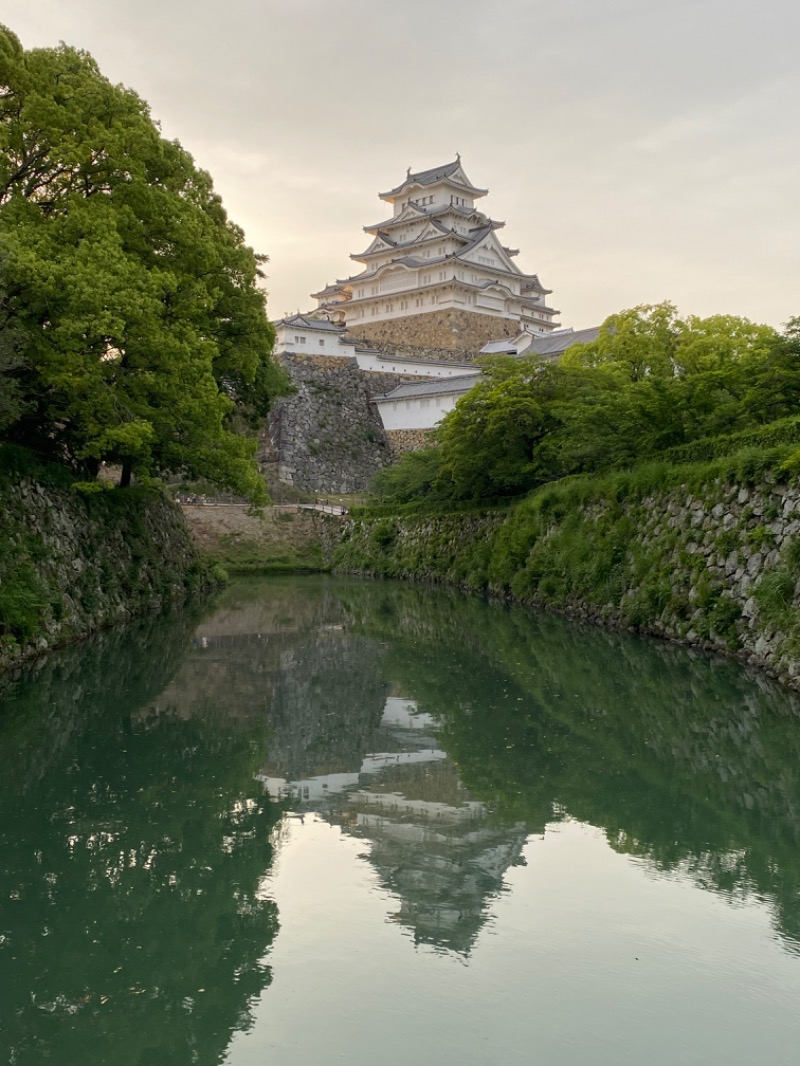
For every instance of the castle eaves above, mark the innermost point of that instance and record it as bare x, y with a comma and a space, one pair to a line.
430, 176
305, 322
441, 387
432, 212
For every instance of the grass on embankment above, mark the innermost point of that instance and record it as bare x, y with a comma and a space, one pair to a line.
273, 541
639, 548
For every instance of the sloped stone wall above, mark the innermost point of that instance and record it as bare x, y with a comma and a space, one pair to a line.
447, 330
408, 440
716, 567
417, 351
327, 435
71, 564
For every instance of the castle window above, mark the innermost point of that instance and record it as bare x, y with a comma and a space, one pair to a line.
321, 343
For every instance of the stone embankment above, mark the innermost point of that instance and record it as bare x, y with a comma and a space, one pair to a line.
327, 435
71, 564
408, 440
715, 566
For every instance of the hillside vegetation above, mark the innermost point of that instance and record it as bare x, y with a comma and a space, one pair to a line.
652, 386
650, 482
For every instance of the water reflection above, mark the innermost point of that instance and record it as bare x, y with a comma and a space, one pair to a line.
133, 837
144, 777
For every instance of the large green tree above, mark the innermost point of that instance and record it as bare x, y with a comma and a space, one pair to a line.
146, 341
11, 363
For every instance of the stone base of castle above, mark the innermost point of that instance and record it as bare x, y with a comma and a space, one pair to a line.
449, 329
408, 440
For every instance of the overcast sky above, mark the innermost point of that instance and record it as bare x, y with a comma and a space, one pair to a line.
638, 150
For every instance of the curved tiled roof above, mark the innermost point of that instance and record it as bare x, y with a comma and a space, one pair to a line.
306, 322
440, 209
477, 235
550, 345
428, 177
557, 343
440, 387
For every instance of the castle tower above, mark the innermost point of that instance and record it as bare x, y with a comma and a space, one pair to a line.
436, 273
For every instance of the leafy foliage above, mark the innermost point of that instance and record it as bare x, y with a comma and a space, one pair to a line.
143, 331
651, 385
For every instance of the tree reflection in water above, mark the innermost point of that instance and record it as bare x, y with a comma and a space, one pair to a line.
134, 838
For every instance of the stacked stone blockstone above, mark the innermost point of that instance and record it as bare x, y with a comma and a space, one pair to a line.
327, 434
444, 332
408, 440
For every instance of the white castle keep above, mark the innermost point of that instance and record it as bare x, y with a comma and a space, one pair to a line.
437, 252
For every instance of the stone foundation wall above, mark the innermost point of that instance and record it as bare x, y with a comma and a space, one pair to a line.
327, 435
379, 383
717, 567
408, 440
449, 330
71, 564
411, 351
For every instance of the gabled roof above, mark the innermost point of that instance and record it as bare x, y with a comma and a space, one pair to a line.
506, 346
306, 322
536, 285
548, 345
429, 212
441, 387
553, 344
381, 238
431, 176
331, 290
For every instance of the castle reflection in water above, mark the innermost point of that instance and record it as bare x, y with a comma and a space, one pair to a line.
433, 846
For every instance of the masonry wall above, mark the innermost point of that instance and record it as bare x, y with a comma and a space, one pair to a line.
407, 440
72, 564
716, 567
327, 435
448, 330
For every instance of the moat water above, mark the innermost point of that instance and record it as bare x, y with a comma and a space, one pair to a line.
326, 821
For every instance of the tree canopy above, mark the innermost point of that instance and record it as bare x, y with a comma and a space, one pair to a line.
650, 382
141, 332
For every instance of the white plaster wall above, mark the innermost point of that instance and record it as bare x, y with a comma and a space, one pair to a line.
417, 413
384, 364
373, 310
311, 342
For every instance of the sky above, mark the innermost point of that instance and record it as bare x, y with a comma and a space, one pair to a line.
637, 150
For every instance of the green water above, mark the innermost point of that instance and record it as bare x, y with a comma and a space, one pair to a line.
328, 821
